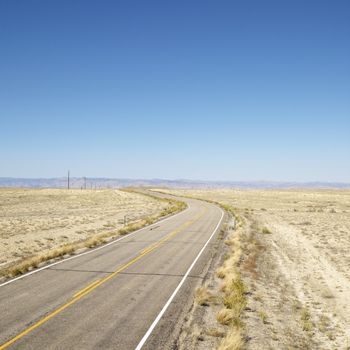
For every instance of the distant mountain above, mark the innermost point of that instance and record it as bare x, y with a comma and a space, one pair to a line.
78, 182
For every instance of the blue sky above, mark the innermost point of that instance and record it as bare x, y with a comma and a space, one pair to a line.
213, 90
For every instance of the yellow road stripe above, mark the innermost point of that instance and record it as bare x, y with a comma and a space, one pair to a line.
166, 238
86, 288
96, 284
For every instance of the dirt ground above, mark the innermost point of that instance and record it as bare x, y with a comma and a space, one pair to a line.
33, 221
299, 282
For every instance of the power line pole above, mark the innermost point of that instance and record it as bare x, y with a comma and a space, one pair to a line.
84, 182
68, 180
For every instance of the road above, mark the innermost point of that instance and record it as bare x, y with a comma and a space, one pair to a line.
130, 294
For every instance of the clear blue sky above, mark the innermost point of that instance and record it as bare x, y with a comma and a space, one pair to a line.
213, 90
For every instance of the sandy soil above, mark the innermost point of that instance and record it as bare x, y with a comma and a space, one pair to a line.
299, 288
33, 221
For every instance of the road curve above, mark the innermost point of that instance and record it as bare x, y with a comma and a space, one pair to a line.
131, 294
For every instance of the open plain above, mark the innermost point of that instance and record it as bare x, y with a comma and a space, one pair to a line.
295, 264
36, 221
276, 276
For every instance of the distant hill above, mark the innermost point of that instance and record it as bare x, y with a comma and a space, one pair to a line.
78, 182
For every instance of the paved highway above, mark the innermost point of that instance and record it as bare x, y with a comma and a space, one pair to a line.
130, 294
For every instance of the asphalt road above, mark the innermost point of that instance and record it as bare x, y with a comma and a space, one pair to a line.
130, 294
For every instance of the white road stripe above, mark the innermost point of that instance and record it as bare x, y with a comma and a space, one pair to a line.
157, 319
93, 250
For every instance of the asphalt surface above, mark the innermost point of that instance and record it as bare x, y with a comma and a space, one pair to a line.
109, 298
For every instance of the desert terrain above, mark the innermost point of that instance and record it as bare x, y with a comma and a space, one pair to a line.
280, 277
295, 264
34, 221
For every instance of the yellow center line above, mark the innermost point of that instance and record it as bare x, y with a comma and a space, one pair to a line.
97, 283
171, 234
86, 288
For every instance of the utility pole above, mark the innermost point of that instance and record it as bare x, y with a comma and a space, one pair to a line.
68, 180
84, 182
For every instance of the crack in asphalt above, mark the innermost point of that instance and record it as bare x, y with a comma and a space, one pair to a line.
127, 273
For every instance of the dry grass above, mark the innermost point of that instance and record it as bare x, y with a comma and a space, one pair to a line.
214, 332
232, 341
234, 298
266, 231
202, 296
263, 316
305, 317
31, 263
233, 290
32, 207
225, 316
232, 287
293, 255
324, 323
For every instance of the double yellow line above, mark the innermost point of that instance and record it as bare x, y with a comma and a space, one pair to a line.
80, 294
90, 286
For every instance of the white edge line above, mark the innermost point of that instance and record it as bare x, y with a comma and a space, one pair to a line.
93, 250
157, 319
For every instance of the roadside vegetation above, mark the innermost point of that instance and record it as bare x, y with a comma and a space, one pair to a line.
218, 320
283, 280
168, 207
232, 290
228, 298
